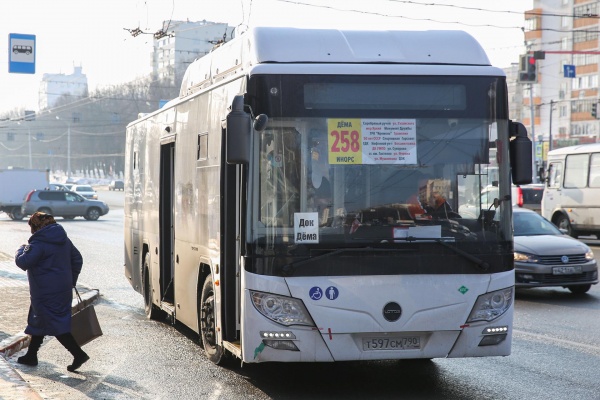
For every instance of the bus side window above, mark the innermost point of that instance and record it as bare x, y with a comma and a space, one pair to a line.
554, 175
595, 171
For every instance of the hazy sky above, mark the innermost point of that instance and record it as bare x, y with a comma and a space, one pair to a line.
92, 33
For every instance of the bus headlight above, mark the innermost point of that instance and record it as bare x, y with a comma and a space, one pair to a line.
281, 309
491, 305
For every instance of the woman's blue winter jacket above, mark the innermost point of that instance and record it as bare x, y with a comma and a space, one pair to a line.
53, 265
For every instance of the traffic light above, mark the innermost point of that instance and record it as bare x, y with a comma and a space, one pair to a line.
595, 110
528, 70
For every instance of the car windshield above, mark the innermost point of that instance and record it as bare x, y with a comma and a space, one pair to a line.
85, 189
532, 224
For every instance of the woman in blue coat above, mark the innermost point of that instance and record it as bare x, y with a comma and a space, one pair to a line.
53, 265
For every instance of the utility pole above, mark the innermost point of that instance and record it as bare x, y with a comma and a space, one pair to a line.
550, 127
532, 113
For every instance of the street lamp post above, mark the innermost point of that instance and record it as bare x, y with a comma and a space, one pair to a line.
29, 140
68, 147
550, 127
29, 144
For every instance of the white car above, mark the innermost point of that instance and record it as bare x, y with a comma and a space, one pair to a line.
86, 191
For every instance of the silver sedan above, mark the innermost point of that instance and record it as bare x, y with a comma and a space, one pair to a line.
545, 256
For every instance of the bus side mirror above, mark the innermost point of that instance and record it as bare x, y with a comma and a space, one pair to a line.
237, 133
520, 154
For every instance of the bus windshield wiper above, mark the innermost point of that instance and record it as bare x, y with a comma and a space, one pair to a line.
292, 266
483, 265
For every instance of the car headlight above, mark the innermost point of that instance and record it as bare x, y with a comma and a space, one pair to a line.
589, 255
524, 257
281, 309
491, 305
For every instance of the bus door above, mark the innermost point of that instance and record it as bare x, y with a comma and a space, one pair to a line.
166, 231
553, 193
232, 198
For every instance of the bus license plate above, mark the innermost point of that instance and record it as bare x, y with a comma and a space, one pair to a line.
566, 270
395, 343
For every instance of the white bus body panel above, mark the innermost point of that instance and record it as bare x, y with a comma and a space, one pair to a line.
433, 307
580, 204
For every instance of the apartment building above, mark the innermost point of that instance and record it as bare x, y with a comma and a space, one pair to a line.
72, 87
566, 31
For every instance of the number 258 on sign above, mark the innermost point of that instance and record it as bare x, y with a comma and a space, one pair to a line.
344, 140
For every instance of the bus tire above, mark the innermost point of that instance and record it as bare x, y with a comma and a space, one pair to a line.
152, 312
579, 289
207, 322
562, 222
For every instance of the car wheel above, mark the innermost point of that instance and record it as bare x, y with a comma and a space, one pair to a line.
207, 322
579, 289
16, 214
93, 214
562, 222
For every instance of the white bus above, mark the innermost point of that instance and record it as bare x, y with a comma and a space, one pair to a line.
272, 207
572, 195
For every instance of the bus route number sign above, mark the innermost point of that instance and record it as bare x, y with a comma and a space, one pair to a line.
372, 141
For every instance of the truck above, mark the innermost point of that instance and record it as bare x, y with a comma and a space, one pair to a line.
15, 184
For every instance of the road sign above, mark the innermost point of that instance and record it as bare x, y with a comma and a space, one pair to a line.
569, 71
21, 53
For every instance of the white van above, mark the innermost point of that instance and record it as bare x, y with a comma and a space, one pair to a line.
572, 196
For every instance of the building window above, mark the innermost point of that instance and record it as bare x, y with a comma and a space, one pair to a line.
562, 111
586, 11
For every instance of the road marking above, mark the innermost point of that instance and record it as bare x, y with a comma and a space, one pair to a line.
546, 339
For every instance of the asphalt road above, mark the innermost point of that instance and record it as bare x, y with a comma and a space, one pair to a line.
555, 348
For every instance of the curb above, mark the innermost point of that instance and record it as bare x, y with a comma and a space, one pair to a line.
12, 385
20, 341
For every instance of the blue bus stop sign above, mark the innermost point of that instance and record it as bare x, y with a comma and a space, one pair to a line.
21, 53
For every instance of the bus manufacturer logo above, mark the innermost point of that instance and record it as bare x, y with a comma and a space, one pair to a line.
392, 311
463, 289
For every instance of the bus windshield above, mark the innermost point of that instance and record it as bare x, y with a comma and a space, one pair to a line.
381, 173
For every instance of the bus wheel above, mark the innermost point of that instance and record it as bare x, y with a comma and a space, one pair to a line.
207, 322
152, 312
562, 222
579, 289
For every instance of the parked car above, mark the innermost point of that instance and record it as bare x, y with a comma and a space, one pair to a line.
86, 191
545, 256
61, 203
116, 185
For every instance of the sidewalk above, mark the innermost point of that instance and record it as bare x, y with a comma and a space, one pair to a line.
14, 306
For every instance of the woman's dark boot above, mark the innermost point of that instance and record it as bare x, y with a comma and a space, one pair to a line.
30, 358
80, 356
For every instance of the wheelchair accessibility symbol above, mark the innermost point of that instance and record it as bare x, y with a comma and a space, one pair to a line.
315, 293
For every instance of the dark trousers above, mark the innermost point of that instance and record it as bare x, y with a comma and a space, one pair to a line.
66, 339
